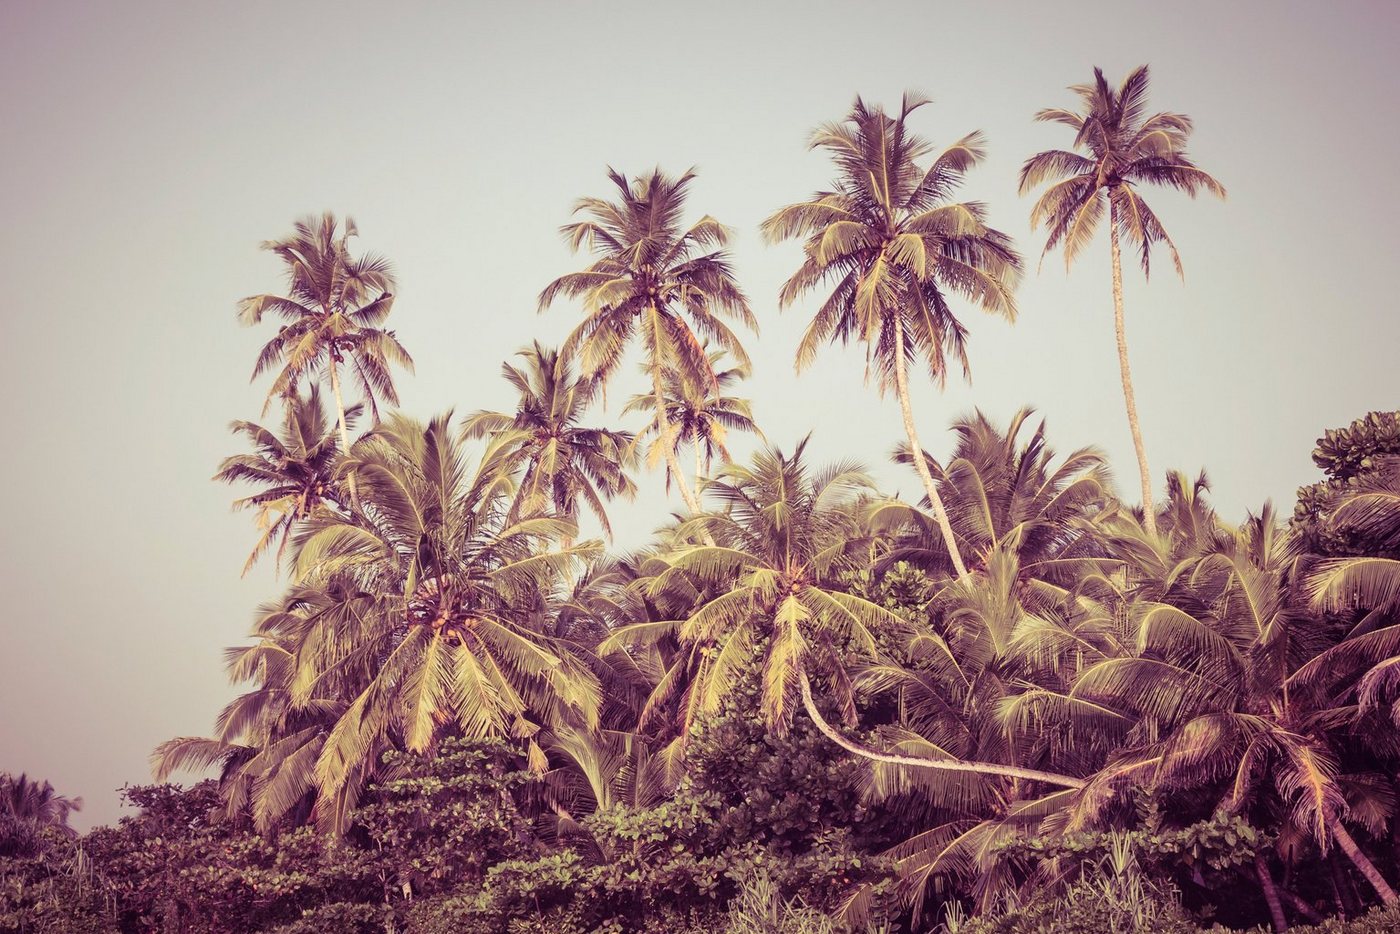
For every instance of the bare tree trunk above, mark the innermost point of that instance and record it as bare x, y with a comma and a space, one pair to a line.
1266, 883
344, 433
1362, 864
940, 515
1149, 512
947, 765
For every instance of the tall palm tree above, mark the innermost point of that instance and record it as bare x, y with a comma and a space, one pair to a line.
1126, 149
333, 308
702, 415
563, 463
667, 285
294, 467
893, 248
772, 580
451, 586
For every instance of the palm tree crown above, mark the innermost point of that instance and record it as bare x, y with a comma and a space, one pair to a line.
449, 589
892, 247
333, 307
667, 285
295, 469
783, 536
701, 414
563, 462
1124, 149
36, 802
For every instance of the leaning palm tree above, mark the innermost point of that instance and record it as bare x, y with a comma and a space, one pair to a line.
294, 468
563, 462
333, 308
894, 249
702, 415
772, 581
667, 285
1125, 149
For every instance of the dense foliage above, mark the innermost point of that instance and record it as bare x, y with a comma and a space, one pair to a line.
1022, 704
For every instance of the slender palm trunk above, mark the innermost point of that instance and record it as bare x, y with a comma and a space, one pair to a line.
699, 473
1266, 883
1362, 863
663, 424
344, 432
940, 515
947, 765
1149, 512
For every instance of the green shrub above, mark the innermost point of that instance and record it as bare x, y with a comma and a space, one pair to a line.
1111, 896
1379, 920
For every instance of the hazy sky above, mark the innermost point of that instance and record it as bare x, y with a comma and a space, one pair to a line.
149, 148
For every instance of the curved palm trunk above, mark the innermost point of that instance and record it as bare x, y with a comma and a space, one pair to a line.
947, 765
344, 433
940, 515
1363, 865
1266, 883
1149, 512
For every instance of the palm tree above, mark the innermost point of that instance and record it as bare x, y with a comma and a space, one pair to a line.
701, 415
295, 468
267, 740
996, 487
37, 803
1232, 692
653, 279
643, 645
563, 462
451, 584
893, 248
1125, 150
1367, 512
333, 307
28, 810
771, 581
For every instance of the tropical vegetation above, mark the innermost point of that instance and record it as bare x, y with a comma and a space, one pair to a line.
1021, 703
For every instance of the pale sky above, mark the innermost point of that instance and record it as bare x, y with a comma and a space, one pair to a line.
150, 147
